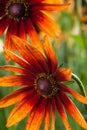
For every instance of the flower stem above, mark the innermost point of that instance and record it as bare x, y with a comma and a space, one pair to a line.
80, 84
82, 88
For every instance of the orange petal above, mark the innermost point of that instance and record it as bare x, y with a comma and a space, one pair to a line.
12, 29
49, 7
50, 54
22, 110
30, 54
73, 110
75, 94
63, 74
15, 80
19, 60
46, 24
62, 113
16, 96
53, 115
33, 35
47, 116
18, 70
22, 32
35, 119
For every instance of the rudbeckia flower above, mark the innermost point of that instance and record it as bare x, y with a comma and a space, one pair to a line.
20, 17
43, 90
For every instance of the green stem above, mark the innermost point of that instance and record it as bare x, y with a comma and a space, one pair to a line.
80, 84
82, 88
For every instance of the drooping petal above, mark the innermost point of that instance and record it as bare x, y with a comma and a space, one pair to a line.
62, 113
49, 7
63, 74
46, 24
33, 35
73, 110
30, 54
78, 96
19, 60
12, 29
15, 80
53, 115
18, 70
47, 116
22, 31
22, 109
50, 54
16, 96
35, 119
4, 22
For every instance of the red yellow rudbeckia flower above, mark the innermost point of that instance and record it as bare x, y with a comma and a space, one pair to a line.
20, 17
43, 90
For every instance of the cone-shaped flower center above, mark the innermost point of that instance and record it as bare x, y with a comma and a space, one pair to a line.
17, 9
46, 85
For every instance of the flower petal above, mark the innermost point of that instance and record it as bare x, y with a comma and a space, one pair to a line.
18, 70
30, 54
49, 7
53, 115
33, 35
46, 24
63, 74
22, 32
62, 113
16, 96
19, 60
47, 116
16, 80
36, 116
78, 96
4, 22
73, 110
22, 109
50, 54
12, 29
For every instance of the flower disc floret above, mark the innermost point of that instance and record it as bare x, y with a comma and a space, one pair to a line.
17, 10
46, 85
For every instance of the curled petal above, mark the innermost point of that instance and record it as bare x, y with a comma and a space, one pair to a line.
63, 74
73, 110
78, 96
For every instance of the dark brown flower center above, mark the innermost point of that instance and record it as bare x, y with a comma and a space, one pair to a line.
46, 85
17, 9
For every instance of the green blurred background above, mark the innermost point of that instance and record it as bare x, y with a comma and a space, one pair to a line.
71, 50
